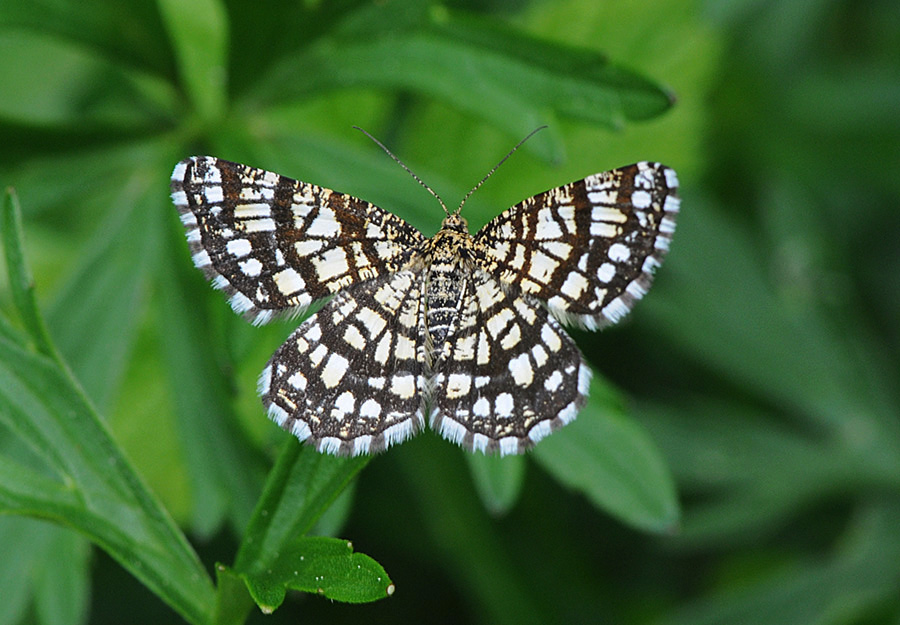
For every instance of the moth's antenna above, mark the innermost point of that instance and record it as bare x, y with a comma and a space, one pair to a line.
408, 170
497, 166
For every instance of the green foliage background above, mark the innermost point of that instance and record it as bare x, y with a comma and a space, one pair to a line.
758, 381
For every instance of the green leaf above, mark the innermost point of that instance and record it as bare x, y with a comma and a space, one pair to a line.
614, 462
513, 81
226, 472
233, 601
103, 498
47, 565
300, 488
106, 290
17, 538
62, 587
21, 282
55, 83
465, 540
198, 30
132, 37
498, 480
323, 566
846, 586
95, 489
787, 354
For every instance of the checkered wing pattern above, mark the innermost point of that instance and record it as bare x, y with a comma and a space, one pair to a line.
275, 244
588, 249
508, 375
349, 379
466, 330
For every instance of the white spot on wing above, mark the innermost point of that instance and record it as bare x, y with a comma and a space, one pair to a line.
288, 281
252, 267
239, 247
606, 272
370, 409
241, 303
618, 253
178, 172
213, 194
201, 259
330, 264
553, 383
641, 199
509, 446
334, 370
671, 177
259, 225
458, 385
403, 386
504, 405
520, 368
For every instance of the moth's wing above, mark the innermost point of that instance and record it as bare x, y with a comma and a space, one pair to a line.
587, 249
508, 375
275, 244
350, 379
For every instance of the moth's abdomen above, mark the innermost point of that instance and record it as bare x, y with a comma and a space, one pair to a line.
445, 288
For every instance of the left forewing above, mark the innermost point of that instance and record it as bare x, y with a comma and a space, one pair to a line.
275, 244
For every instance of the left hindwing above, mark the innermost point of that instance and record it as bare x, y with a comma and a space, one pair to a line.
587, 249
350, 380
277, 244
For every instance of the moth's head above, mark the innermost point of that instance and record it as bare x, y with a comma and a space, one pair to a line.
455, 222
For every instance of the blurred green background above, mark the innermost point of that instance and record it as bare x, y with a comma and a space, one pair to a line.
760, 375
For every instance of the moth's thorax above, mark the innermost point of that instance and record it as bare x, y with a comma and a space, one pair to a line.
447, 260
451, 245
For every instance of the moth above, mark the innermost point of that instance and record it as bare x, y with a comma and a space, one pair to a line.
464, 332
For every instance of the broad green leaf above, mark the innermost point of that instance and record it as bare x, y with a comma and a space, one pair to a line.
737, 461
105, 293
8, 332
332, 521
103, 498
97, 492
498, 480
198, 30
513, 81
584, 85
57, 558
322, 566
614, 462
